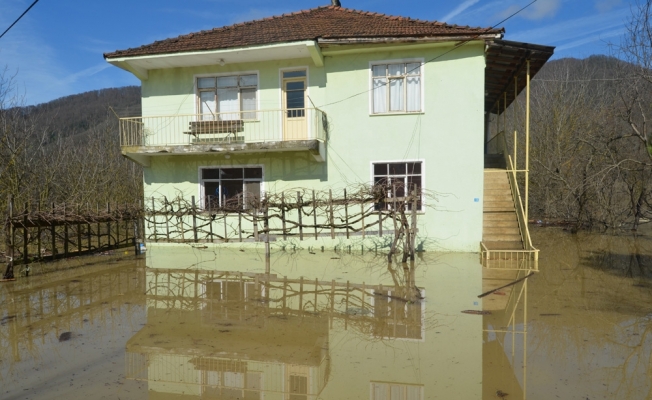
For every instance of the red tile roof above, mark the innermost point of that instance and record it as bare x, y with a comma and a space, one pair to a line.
329, 22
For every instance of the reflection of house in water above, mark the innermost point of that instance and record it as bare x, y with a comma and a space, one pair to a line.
245, 336
360, 330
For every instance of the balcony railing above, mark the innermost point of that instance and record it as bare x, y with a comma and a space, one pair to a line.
244, 127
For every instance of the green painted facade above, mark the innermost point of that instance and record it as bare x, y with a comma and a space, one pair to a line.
447, 136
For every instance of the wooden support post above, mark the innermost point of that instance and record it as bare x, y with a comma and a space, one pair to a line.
79, 242
108, 224
332, 301
362, 219
117, 226
255, 221
99, 227
299, 210
240, 209
38, 230
380, 223
266, 224
153, 216
194, 219
224, 213
314, 212
88, 226
25, 235
415, 197
166, 215
53, 232
9, 271
332, 219
65, 232
346, 214
283, 215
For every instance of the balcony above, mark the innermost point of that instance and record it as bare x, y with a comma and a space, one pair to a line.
299, 129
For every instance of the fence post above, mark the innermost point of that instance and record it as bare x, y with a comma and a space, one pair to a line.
79, 243
194, 219
54, 234
65, 232
332, 219
38, 229
9, 272
346, 214
88, 226
283, 214
108, 224
299, 208
25, 234
153, 214
314, 212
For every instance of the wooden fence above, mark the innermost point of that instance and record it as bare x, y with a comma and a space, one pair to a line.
38, 233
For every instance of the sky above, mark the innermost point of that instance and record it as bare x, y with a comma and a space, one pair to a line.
57, 48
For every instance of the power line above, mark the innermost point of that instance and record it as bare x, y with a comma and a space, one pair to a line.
458, 45
18, 19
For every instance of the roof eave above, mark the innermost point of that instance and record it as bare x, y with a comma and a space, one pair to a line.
409, 39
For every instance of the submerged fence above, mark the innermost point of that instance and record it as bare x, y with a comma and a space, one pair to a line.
67, 230
385, 212
40, 233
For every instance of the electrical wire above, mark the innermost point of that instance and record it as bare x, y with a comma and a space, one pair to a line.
18, 19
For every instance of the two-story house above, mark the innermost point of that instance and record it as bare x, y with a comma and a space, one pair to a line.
329, 98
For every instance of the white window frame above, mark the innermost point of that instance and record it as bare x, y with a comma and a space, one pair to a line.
222, 75
423, 176
201, 193
397, 61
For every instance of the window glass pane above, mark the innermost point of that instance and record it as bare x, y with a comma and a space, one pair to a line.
378, 70
414, 93
396, 69
203, 83
398, 187
227, 100
230, 191
210, 173
414, 180
231, 173
380, 169
248, 98
397, 169
248, 80
207, 105
380, 391
396, 95
252, 194
255, 173
414, 392
380, 95
295, 85
294, 74
414, 168
295, 99
227, 81
413, 69
211, 195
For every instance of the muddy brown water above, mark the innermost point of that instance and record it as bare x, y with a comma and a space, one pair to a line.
212, 323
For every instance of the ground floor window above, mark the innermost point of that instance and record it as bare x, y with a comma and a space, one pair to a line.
396, 179
233, 188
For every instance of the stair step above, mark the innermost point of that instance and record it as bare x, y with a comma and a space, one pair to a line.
497, 197
501, 230
501, 238
515, 245
500, 223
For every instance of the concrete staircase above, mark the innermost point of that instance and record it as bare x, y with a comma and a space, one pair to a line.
500, 229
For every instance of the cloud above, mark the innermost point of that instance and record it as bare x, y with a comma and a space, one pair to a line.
458, 10
72, 78
606, 5
539, 10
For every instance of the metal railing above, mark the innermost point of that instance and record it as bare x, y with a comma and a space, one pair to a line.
511, 259
253, 126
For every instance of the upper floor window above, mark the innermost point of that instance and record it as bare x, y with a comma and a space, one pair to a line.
230, 97
396, 88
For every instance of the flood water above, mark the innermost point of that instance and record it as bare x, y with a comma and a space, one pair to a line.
210, 323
